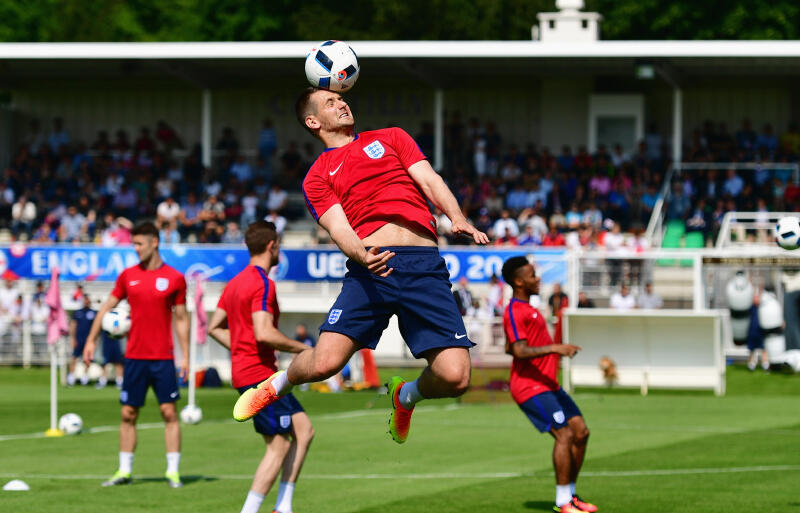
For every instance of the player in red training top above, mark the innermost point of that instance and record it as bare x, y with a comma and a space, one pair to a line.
534, 383
250, 307
370, 192
153, 290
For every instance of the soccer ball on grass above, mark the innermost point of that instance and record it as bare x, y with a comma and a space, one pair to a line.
70, 423
116, 323
787, 232
332, 65
191, 414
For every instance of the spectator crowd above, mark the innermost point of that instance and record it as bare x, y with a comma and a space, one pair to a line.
57, 189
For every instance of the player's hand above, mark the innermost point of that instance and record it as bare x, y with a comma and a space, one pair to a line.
375, 261
184, 368
88, 351
567, 349
463, 228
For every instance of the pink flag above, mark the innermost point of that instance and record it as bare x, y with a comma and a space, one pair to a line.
202, 318
57, 321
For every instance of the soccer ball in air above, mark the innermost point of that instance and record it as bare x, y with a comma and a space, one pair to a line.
332, 65
787, 232
191, 414
117, 323
70, 423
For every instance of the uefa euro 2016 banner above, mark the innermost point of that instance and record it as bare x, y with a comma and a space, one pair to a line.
221, 263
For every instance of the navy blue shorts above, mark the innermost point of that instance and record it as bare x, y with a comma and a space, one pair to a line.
417, 291
550, 410
78, 351
141, 374
111, 350
277, 417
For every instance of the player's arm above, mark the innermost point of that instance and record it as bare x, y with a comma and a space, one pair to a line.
182, 330
73, 327
218, 328
335, 222
266, 333
520, 349
439, 193
94, 331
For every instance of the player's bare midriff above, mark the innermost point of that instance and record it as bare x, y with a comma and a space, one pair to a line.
392, 234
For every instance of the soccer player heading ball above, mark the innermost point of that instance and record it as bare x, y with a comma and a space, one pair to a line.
369, 191
534, 385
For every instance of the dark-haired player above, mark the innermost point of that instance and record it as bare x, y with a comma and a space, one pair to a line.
370, 191
154, 291
534, 384
249, 306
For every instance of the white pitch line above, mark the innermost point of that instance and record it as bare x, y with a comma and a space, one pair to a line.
444, 475
155, 425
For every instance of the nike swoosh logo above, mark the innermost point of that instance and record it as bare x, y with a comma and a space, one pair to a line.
460, 336
335, 170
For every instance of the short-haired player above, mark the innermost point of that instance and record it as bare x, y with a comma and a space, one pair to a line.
534, 383
246, 322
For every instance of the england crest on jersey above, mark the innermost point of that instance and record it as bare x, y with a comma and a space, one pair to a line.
559, 417
374, 150
333, 317
162, 284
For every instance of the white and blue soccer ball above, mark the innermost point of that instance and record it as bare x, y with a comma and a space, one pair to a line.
332, 65
70, 423
191, 414
787, 232
117, 323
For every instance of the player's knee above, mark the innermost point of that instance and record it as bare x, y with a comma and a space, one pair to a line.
581, 436
325, 366
306, 435
129, 415
456, 378
169, 414
564, 435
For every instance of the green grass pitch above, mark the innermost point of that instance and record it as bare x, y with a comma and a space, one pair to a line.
668, 452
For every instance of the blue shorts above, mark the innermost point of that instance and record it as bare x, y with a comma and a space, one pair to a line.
141, 374
78, 351
111, 350
417, 291
550, 410
277, 417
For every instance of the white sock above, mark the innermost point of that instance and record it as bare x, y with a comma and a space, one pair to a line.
253, 502
572, 489
563, 495
103, 381
284, 502
409, 394
173, 461
85, 379
118, 380
70, 379
125, 462
281, 384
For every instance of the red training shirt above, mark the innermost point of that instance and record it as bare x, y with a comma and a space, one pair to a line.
369, 178
249, 291
151, 296
529, 376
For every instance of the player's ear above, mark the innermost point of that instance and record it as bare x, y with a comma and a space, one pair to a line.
312, 122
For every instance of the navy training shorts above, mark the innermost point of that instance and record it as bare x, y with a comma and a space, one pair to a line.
141, 374
276, 418
77, 352
417, 291
550, 410
112, 353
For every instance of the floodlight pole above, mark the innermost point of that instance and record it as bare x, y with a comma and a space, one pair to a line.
677, 123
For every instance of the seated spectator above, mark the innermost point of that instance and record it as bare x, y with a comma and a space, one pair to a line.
462, 295
553, 238
211, 233
58, 137
6, 201
623, 300
529, 238
189, 221
733, 184
517, 198
116, 231
23, 215
699, 220
45, 234
228, 142
213, 210
593, 216
241, 169
164, 187
249, 208
584, 301
506, 227
168, 211
649, 299
679, 204
168, 234
444, 227
73, 226
8, 296
167, 137
573, 217
277, 199
558, 219
267, 142
278, 220
767, 143
144, 143
126, 202
532, 217
232, 235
